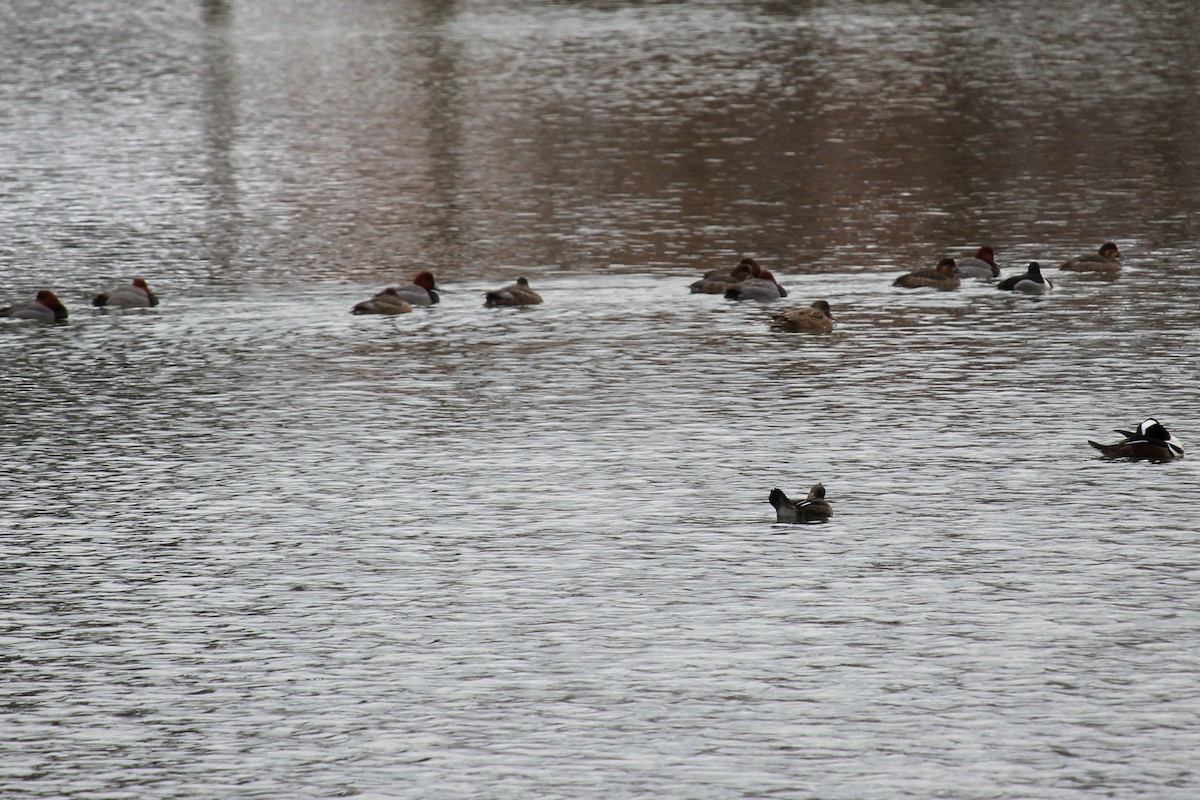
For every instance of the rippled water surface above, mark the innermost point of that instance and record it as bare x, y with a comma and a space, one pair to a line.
255, 546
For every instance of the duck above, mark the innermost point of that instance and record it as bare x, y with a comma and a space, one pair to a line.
981, 265
517, 294
389, 301
1031, 282
762, 287
943, 277
718, 281
44, 307
1152, 441
1106, 259
814, 508
817, 318
421, 292
133, 295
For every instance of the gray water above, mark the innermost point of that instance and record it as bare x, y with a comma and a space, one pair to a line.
254, 546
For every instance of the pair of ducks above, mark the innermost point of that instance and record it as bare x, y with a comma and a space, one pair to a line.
46, 307
749, 281
948, 274
746, 281
1150, 442
423, 292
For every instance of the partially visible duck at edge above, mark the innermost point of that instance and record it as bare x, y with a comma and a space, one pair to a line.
421, 292
1031, 282
517, 294
817, 318
943, 277
1106, 259
762, 287
718, 281
136, 294
45, 307
1152, 442
388, 301
814, 508
981, 265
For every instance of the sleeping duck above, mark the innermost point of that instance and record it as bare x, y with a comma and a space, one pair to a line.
944, 277
717, 281
517, 294
45, 307
1106, 259
133, 295
817, 318
1151, 441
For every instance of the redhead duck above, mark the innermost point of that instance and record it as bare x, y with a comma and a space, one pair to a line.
45, 307
518, 294
1106, 259
135, 295
1031, 282
944, 277
814, 508
762, 287
817, 318
388, 301
421, 292
1151, 441
981, 265
718, 281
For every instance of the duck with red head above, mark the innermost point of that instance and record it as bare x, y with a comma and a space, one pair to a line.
762, 287
45, 307
421, 292
136, 294
982, 265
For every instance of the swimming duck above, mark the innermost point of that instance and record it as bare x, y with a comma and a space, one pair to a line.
45, 307
812, 509
762, 287
817, 318
518, 294
717, 281
388, 301
1031, 282
1151, 441
135, 295
1106, 259
981, 265
421, 292
944, 277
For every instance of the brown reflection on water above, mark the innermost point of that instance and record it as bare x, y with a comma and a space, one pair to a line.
678, 137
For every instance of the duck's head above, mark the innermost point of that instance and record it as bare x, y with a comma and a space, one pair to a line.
1110, 250
947, 267
751, 266
424, 279
817, 492
823, 307
50, 300
986, 253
